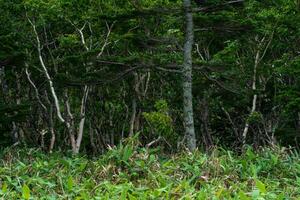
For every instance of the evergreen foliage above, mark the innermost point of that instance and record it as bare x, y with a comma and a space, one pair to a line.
109, 62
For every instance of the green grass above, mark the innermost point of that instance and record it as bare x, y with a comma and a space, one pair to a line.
131, 173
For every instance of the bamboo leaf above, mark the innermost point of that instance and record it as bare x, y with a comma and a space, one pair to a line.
25, 192
70, 183
261, 186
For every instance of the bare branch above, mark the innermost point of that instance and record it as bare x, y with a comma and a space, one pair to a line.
37, 95
57, 105
109, 29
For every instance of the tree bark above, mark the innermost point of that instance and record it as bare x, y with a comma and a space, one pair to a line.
260, 54
206, 130
254, 100
51, 85
187, 78
82, 120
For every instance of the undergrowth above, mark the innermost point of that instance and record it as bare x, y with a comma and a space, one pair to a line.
132, 173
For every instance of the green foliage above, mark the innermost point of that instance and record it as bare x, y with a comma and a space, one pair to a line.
68, 40
25, 192
129, 172
160, 121
255, 117
102, 43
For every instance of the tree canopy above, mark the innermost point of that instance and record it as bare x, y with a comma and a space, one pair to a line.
85, 75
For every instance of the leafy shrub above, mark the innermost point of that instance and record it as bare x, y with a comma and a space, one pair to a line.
159, 121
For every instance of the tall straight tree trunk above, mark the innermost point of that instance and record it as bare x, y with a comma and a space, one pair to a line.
187, 78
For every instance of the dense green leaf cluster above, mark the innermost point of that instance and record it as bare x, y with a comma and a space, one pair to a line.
128, 172
129, 54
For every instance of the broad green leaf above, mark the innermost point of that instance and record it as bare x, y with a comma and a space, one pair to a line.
127, 153
124, 194
82, 166
219, 193
25, 192
243, 196
261, 186
131, 197
70, 183
4, 187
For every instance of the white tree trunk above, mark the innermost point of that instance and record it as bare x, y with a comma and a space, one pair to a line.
57, 105
262, 48
82, 120
254, 99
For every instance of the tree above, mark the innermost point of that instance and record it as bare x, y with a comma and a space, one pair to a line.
187, 78
82, 74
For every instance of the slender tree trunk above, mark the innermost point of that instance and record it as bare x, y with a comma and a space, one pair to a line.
262, 48
187, 78
52, 141
206, 130
134, 105
70, 123
254, 100
50, 123
51, 85
17, 134
133, 116
82, 120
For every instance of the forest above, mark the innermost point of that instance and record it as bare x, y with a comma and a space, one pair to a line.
150, 99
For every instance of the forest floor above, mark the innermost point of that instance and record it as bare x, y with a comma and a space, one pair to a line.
130, 173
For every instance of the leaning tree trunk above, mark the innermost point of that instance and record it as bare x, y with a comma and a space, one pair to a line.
187, 78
